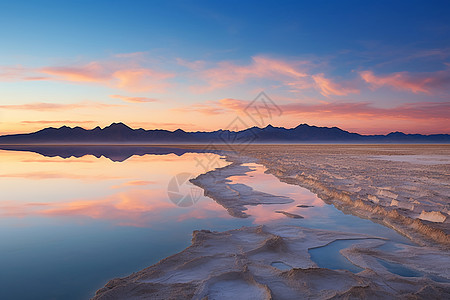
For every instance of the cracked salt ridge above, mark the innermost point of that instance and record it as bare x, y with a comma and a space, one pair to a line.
330, 218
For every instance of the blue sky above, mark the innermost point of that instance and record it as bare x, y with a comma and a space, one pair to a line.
203, 60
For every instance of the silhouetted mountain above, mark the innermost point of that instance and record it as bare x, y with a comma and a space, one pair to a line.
119, 133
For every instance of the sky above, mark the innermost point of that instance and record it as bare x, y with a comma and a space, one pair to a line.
371, 67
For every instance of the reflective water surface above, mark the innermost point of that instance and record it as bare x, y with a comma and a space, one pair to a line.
69, 224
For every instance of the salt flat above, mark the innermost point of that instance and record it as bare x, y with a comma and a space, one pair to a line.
401, 193
406, 187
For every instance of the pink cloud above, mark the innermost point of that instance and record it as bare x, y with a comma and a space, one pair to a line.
327, 87
91, 72
57, 122
165, 125
227, 73
41, 106
291, 74
128, 76
134, 99
414, 82
420, 110
44, 106
142, 80
355, 110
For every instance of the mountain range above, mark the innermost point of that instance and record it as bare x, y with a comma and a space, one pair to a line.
119, 133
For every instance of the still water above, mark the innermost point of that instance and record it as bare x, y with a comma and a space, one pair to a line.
69, 224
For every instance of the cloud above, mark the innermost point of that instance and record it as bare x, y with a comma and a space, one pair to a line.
165, 125
41, 106
44, 106
91, 72
327, 87
420, 110
292, 74
124, 71
57, 122
355, 110
114, 74
208, 108
414, 82
227, 73
134, 99
15, 73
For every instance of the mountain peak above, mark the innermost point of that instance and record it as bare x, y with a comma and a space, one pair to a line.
120, 132
118, 125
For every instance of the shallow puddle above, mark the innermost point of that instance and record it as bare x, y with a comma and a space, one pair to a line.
399, 269
329, 256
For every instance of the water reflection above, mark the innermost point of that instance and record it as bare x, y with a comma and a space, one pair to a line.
70, 224
117, 153
75, 223
318, 214
126, 194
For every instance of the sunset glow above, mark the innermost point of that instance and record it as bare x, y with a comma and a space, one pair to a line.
198, 70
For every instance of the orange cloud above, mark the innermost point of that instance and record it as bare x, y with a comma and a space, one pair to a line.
420, 110
12, 73
57, 122
43, 106
92, 72
133, 99
328, 87
416, 83
361, 110
142, 80
125, 76
40, 106
160, 125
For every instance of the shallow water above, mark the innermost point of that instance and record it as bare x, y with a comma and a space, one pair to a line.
329, 256
69, 225
319, 216
399, 269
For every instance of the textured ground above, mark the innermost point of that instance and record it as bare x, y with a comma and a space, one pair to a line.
241, 264
402, 186
406, 187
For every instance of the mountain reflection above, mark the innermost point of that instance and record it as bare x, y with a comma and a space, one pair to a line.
116, 153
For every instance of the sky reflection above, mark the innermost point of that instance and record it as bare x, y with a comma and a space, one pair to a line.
126, 194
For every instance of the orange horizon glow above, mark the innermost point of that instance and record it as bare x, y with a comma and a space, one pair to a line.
192, 98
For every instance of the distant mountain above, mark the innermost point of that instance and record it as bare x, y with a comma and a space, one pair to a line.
119, 133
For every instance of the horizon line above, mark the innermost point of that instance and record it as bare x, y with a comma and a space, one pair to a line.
198, 131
